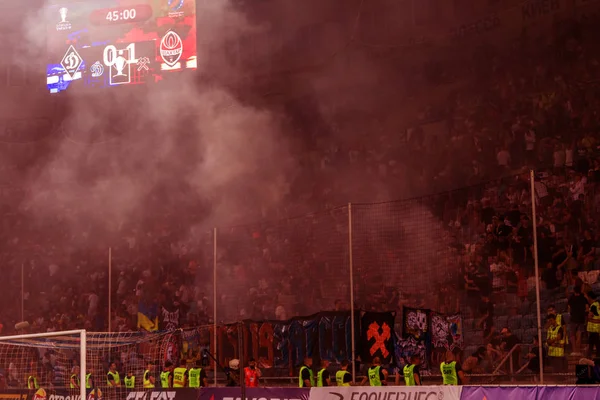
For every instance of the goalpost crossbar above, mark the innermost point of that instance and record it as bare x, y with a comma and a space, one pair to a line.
82, 349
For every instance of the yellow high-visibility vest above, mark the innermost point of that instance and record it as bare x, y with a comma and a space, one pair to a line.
558, 348
593, 324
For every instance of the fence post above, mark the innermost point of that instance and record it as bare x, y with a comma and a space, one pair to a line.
215, 299
537, 276
352, 338
22, 291
109, 289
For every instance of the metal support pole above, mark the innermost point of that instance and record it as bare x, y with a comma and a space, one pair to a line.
537, 276
82, 364
109, 288
22, 292
353, 346
215, 299
242, 359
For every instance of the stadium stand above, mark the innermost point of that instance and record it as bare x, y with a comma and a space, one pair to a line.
537, 109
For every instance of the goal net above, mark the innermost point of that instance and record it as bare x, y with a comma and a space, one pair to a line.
52, 363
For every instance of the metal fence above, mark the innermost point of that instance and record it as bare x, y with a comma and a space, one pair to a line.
419, 253
443, 252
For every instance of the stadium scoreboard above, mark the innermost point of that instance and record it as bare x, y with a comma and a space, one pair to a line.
104, 43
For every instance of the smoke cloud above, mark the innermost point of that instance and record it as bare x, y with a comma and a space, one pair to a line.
189, 142
216, 147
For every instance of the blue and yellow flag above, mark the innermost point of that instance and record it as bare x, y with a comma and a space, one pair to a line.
147, 317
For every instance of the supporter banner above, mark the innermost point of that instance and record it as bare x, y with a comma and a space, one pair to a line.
387, 393
416, 337
169, 318
377, 336
255, 393
446, 331
284, 344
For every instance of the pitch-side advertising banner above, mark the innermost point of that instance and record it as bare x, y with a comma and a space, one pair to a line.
530, 392
101, 394
13, 394
386, 393
254, 394
499, 392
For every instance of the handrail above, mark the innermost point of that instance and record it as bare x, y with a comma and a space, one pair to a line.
506, 357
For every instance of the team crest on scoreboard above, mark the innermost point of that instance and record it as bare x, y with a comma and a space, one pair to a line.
97, 69
63, 25
71, 61
175, 8
171, 48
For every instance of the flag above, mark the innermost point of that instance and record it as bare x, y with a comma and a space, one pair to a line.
377, 336
416, 337
169, 318
147, 317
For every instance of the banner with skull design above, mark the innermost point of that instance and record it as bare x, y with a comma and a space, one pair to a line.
416, 337
446, 331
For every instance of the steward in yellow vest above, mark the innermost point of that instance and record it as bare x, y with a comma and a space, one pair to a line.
305, 375
129, 380
593, 327
559, 322
180, 375
32, 382
74, 379
411, 371
556, 345
89, 382
148, 378
166, 377
112, 376
197, 376
323, 375
452, 373
343, 377
376, 375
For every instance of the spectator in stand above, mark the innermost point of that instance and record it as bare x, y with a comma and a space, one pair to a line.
474, 363
577, 304
533, 358
510, 341
487, 318
503, 158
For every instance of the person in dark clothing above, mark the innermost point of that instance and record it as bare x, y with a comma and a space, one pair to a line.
233, 373
533, 363
509, 341
578, 303
487, 317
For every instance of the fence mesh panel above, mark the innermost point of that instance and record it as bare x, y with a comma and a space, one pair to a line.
293, 267
401, 256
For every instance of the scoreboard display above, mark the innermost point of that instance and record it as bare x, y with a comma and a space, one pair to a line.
104, 43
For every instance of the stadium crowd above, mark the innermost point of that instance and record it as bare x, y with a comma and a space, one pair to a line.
532, 105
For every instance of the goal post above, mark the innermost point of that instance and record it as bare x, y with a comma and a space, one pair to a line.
33, 341
54, 360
